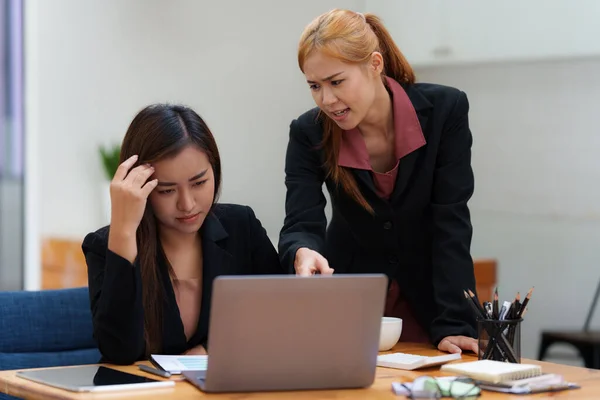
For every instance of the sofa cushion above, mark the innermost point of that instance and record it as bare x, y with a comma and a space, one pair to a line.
48, 359
7, 397
45, 321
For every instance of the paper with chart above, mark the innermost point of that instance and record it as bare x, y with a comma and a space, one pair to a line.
177, 364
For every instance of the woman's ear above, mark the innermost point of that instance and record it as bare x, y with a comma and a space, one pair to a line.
376, 64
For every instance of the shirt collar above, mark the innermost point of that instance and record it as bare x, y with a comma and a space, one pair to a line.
407, 130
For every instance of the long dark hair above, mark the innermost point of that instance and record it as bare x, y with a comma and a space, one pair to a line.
351, 37
157, 132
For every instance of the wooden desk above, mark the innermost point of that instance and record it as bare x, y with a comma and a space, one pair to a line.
381, 389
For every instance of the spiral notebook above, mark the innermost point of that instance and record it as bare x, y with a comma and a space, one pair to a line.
493, 371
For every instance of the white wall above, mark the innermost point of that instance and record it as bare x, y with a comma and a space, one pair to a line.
99, 62
95, 64
536, 206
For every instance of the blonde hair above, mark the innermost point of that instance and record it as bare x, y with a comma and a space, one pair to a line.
352, 38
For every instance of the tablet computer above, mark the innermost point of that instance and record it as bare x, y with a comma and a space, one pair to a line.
91, 378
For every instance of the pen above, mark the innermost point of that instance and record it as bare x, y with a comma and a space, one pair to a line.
154, 371
488, 309
503, 310
509, 309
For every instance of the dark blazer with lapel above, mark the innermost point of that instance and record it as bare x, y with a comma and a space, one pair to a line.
234, 243
421, 237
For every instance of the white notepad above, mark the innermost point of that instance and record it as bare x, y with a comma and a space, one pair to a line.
493, 371
177, 364
413, 361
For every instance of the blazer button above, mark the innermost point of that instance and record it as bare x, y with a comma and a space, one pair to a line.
393, 260
387, 225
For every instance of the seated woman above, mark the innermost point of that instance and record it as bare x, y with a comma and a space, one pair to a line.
151, 271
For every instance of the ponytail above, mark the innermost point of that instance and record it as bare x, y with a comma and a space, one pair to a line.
395, 64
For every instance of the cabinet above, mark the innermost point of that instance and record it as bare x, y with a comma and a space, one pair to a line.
438, 32
63, 264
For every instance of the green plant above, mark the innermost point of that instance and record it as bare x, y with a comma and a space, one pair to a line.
110, 159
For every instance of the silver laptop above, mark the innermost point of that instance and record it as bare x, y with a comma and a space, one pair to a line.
287, 332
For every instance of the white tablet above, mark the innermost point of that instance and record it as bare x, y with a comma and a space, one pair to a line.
91, 378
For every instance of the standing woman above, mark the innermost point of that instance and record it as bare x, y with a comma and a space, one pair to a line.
395, 156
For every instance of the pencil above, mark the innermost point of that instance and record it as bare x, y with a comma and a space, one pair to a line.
476, 301
476, 309
516, 305
527, 298
495, 304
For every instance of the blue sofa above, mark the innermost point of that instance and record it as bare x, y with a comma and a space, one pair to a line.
45, 329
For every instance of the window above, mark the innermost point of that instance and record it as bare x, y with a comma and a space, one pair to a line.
11, 145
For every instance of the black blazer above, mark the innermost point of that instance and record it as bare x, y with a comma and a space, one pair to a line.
234, 243
421, 237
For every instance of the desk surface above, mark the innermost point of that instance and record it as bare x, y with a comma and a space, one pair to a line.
588, 379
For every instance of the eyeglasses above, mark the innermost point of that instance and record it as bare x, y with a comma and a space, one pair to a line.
427, 387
